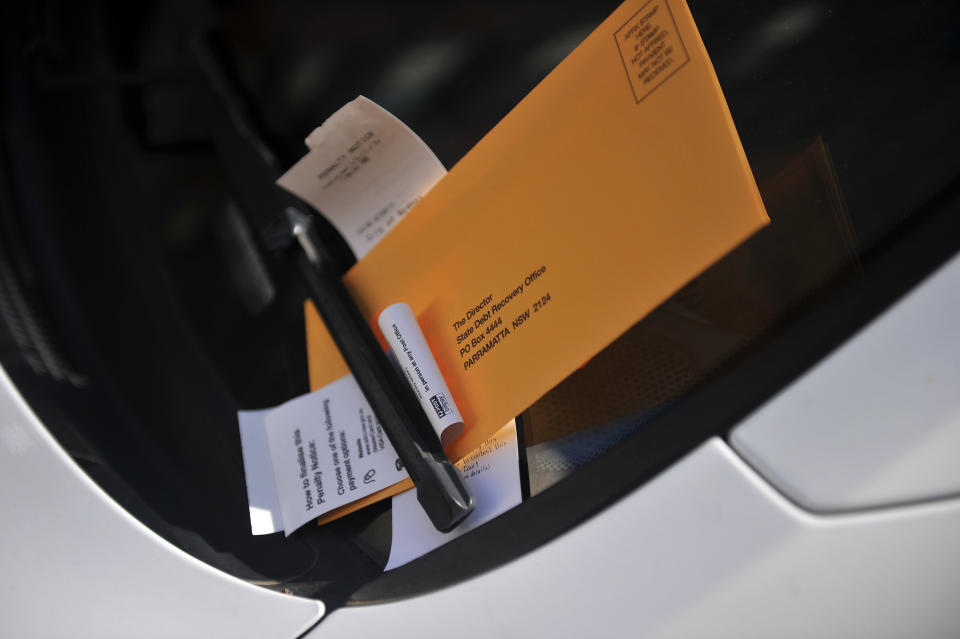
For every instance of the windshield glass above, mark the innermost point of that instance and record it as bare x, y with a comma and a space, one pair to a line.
141, 311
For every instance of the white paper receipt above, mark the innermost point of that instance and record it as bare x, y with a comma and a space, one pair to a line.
493, 474
328, 450
364, 171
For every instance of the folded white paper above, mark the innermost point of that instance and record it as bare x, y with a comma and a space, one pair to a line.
327, 450
493, 474
258, 469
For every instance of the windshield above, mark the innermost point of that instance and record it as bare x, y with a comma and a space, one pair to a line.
141, 312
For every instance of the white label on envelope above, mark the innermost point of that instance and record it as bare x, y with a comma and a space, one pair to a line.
411, 353
364, 171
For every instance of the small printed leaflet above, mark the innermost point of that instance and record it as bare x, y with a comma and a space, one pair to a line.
327, 450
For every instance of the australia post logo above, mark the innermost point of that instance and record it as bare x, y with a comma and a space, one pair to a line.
440, 404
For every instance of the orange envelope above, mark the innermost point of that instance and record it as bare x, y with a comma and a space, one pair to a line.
618, 179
